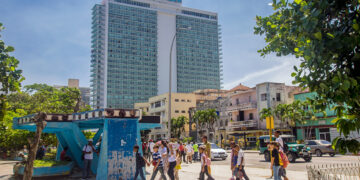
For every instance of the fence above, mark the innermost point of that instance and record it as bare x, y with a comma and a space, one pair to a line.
345, 171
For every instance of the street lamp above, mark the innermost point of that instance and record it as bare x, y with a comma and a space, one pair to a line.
170, 72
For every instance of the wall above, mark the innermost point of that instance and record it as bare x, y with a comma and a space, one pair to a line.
166, 31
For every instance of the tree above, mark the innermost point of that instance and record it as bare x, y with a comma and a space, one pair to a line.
10, 75
325, 36
40, 122
178, 125
205, 119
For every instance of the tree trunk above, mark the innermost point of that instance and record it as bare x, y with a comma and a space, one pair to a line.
40, 125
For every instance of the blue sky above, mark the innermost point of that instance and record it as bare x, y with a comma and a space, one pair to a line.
52, 40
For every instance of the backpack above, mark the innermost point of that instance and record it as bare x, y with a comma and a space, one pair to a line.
284, 159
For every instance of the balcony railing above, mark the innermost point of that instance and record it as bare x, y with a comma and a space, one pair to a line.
242, 106
241, 124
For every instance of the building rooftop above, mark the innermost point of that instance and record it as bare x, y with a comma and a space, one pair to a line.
239, 87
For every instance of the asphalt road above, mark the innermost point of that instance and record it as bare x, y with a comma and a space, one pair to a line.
257, 161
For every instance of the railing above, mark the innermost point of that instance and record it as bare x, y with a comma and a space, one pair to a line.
346, 171
240, 124
242, 106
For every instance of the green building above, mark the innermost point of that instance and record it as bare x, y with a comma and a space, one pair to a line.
322, 128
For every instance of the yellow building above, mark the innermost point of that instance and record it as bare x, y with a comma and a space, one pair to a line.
143, 106
158, 106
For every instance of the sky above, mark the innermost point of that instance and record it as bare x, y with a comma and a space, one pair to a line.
52, 40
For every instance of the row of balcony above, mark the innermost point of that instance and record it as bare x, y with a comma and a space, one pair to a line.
242, 106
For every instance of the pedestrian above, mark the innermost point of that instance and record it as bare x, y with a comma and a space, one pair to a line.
140, 163
178, 164
234, 158
145, 148
196, 151
64, 156
157, 163
87, 151
275, 163
164, 150
240, 164
279, 140
151, 148
189, 152
207, 145
182, 151
207, 149
172, 162
205, 164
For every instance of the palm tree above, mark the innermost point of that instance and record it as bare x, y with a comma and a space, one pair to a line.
178, 125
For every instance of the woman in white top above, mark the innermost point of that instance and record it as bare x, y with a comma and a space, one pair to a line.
164, 155
172, 162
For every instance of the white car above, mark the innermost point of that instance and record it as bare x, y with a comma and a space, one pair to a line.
217, 152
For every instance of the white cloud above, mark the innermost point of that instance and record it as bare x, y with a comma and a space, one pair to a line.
281, 72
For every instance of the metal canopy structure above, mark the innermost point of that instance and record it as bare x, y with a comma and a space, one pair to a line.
119, 130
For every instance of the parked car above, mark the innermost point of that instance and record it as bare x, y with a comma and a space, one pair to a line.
320, 147
295, 150
217, 152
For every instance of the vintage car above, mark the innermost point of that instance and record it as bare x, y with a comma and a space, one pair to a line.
295, 151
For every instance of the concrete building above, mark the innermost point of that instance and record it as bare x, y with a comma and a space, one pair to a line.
143, 106
269, 95
158, 106
85, 91
131, 43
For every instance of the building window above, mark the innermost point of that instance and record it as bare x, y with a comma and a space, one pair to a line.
176, 100
183, 100
221, 124
157, 104
251, 116
237, 102
183, 111
249, 98
278, 97
264, 97
226, 123
176, 111
188, 100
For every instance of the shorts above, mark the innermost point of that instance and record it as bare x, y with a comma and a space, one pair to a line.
189, 154
282, 172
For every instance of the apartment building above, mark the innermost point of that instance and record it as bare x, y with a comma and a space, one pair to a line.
131, 43
158, 106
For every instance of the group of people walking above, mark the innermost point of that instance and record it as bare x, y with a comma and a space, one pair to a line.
166, 158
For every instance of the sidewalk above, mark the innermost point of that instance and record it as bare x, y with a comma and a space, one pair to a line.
191, 171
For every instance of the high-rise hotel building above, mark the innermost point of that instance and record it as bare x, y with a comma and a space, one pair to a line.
131, 42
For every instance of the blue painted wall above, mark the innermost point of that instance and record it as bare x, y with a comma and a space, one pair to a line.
121, 136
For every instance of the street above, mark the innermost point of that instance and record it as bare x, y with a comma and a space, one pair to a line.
257, 169
255, 166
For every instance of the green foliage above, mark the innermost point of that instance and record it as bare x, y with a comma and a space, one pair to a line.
89, 134
49, 163
206, 119
325, 36
35, 98
63, 100
11, 139
178, 125
10, 75
188, 139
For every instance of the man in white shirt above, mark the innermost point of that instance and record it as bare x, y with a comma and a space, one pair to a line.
240, 164
279, 140
88, 151
189, 152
